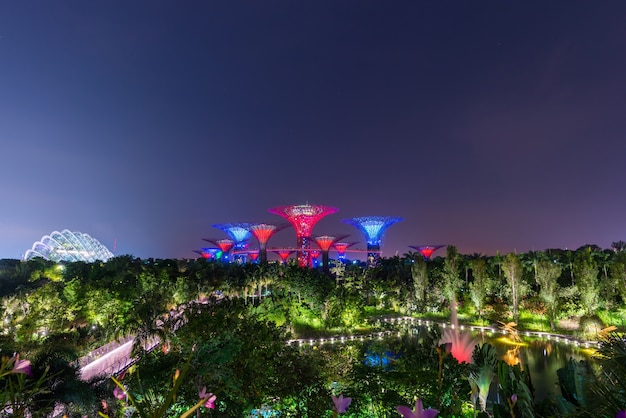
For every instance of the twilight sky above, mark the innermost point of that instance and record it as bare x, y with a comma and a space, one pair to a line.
489, 125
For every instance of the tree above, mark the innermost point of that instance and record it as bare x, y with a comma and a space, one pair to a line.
618, 273
481, 285
512, 269
451, 282
419, 271
585, 271
618, 246
547, 274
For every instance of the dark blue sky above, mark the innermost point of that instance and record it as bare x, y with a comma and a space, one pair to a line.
488, 125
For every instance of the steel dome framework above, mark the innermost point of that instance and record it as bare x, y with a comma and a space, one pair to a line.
69, 246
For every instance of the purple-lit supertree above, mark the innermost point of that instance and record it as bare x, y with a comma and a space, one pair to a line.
225, 245
303, 218
240, 234
426, 250
325, 242
263, 232
373, 227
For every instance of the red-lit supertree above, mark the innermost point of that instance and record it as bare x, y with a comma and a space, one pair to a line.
263, 232
426, 250
225, 245
325, 242
303, 218
341, 248
254, 255
284, 254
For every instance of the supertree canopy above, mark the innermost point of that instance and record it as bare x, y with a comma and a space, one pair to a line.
253, 255
303, 218
341, 248
263, 232
69, 246
325, 242
210, 253
284, 254
239, 232
426, 250
373, 227
224, 244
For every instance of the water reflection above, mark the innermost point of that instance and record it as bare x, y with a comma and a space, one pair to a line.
541, 358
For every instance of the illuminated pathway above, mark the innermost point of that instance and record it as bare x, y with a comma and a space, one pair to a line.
404, 320
109, 363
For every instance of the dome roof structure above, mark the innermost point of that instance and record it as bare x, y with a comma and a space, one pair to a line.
69, 246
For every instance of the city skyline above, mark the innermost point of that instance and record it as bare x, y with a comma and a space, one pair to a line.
489, 126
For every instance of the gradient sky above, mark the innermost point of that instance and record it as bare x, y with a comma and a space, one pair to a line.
489, 125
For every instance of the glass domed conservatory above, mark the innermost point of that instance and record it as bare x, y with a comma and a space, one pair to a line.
69, 246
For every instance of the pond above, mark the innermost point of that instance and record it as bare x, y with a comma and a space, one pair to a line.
539, 353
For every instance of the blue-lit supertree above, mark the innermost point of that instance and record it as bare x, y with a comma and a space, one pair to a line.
373, 227
240, 233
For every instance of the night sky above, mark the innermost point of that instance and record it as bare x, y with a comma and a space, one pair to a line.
489, 125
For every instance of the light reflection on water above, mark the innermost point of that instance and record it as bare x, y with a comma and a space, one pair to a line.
540, 357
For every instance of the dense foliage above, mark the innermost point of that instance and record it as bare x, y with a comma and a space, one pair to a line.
227, 327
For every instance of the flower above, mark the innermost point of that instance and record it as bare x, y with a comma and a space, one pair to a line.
419, 412
621, 414
460, 345
341, 404
209, 397
119, 393
514, 398
21, 366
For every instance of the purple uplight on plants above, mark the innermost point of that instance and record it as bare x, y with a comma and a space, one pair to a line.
341, 404
119, 393
419, 411
208, 397
21, 366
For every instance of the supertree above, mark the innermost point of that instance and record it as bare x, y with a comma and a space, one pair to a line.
373, 227
303, 218
263, 232
341, 248
240, 233
254, 255
284, 254
209, 253
426, 250
224, 244
315, 254
325, 242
